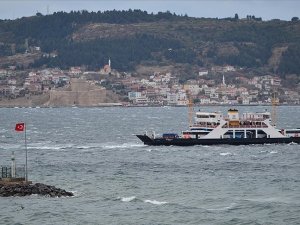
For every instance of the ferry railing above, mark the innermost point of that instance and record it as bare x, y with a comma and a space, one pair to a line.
233, 126
244, 126
246, 119
204, 125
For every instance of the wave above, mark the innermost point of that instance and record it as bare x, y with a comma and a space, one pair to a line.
49, 147
135, 199
124, 146
90, 146
225, 153
153, 117
263, 151
75, 193
43, 146
127, 199
232, 205
293, 143
273, 152
155, 202
285, 200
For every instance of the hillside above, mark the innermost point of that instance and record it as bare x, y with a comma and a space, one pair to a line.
135, 38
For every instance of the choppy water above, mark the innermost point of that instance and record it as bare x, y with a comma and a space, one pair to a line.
118, 180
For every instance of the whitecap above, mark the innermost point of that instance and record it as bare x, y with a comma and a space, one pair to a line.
75, 193
225, 153
87, 146
127, 199
263, 151
155, 202
125, 145
42, 146
46, 147
273, 152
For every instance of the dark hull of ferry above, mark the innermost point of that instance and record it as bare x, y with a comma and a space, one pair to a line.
237, 141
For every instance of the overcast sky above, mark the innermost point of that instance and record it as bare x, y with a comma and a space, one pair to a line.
267, 9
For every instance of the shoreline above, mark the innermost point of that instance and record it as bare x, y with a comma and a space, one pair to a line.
145, 106
21, 189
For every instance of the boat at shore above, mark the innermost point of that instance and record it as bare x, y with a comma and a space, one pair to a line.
212, 128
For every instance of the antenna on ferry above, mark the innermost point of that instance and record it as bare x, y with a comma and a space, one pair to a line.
275, 102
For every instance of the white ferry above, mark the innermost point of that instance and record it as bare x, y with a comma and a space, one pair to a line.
211, 128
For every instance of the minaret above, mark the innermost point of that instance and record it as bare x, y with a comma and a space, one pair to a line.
109, 63
224, 84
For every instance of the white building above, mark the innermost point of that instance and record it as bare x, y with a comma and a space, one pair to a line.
245, 101
172, 98
204, 100
203, 73
134, 95
142, 100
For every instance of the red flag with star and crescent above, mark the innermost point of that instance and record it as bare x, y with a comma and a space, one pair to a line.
20, 127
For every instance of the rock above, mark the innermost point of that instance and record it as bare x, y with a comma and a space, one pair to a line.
21, 189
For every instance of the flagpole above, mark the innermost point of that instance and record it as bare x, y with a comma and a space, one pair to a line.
26, 171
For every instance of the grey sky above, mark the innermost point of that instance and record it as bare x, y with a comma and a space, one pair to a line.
267, 9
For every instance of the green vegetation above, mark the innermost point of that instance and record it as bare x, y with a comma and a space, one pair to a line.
124, 53
291, 61
137, 36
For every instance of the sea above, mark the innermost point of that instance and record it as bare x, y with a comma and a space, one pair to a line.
115, 179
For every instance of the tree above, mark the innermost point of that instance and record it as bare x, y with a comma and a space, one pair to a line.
295, 19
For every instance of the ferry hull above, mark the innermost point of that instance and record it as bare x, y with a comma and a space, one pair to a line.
229, 141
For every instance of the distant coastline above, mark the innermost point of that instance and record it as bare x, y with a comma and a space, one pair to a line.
105, 105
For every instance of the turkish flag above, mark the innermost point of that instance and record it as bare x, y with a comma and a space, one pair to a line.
20, 127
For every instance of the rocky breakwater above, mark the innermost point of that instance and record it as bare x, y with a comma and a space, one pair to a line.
24, 189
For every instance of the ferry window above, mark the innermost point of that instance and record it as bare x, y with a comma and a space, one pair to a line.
229, 132
260, 132
293, 131
212, 116
202, 116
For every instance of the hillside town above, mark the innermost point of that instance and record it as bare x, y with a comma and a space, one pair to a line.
214, 86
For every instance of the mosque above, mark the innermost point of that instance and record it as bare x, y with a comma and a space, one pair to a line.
107, 68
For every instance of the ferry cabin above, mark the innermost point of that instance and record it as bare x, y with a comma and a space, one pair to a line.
291, 132
249, 125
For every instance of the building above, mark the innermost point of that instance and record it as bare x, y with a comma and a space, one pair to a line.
106, 69
134, 95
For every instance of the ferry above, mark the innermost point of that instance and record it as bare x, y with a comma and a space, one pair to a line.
213, 128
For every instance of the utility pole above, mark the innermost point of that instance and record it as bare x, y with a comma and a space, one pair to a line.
26, 169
